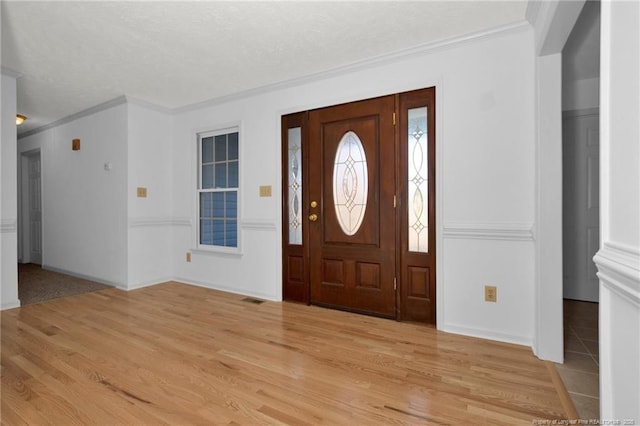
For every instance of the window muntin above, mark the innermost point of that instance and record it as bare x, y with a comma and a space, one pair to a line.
218, 187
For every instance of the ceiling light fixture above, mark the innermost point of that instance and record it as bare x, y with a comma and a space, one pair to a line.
20, 119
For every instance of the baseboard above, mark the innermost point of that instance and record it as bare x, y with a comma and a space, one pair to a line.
144, 284
157, 281
82, 276
10, 305
226, 289
487, 334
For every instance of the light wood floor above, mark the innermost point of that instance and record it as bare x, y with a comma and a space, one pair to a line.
177, 354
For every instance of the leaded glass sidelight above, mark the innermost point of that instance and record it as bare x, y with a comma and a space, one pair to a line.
418, 184
350, 183
294, 162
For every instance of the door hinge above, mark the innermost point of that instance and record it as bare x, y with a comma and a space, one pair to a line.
394, 201
395, 284
394, 118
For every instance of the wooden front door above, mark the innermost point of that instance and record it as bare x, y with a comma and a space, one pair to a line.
352, 226
359, 206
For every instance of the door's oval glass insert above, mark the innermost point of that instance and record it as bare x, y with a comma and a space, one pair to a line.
418, 184
350, 183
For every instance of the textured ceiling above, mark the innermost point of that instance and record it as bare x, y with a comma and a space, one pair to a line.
75, 55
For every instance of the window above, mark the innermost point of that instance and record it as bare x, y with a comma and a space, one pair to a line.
417, 180
218, 189
294, 164
350, 183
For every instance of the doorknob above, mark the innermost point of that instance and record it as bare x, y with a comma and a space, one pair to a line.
313, 217
314, 204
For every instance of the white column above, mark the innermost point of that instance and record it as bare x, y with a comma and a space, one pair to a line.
618, 259
9, 203
548, 342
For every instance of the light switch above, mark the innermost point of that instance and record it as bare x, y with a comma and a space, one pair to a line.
142, 192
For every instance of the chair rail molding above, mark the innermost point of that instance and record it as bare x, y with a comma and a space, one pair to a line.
511, 231
619, 270
140, 222
8, 225
258, 224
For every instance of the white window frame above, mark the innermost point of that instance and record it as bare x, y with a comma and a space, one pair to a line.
199, 136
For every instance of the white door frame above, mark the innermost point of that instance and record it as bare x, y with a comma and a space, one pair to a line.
552, 22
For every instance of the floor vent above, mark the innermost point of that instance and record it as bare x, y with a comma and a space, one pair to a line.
252, 300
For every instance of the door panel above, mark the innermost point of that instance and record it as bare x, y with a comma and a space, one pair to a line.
353, 272
580, 198
295, 259
35, 210
416, 186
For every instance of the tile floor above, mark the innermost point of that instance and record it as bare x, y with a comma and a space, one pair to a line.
580, 371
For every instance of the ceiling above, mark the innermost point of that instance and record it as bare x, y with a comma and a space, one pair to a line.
74, 55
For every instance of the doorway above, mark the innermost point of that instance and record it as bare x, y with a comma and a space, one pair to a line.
359, 206
580, 205
31, 208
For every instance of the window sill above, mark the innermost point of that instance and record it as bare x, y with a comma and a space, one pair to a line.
217, 252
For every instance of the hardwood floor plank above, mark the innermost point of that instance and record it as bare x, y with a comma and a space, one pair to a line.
178, 354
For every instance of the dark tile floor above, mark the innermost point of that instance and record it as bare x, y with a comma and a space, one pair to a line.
580, 371
38, 285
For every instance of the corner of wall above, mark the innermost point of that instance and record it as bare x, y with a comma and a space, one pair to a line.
9, 202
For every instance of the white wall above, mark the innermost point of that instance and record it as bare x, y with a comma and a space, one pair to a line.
618, 259
486, 159
548, 296
84, 206
552, 21
9, 203
581, 94
486, 170
149, 219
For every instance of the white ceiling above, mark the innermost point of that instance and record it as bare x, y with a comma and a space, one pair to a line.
75, 55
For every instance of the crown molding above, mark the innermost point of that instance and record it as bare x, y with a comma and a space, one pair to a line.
533, 11
395, 56
148, 105
89, 111
423, 49
9, 72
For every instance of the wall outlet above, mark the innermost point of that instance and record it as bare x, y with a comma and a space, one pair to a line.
188, 257
490, 293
